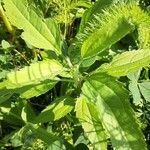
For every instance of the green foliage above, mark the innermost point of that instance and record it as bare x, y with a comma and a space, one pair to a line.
58, 109
127, 62
88, 116
145, 90
37, 31
139, 88
34, 73
74, 75
114, 111
98, 7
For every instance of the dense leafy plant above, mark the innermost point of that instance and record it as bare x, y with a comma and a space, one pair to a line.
85, 78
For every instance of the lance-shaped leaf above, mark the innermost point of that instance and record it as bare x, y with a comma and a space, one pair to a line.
105, 30
127, 62
97, 8
27, 91
39, 32
34, 74
145, 90
133, 86
5, 94
116, 22
101, 26
115, 112
41, 133
58, 109
35, 89
88, 115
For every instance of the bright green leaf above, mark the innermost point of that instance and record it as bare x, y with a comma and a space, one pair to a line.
34, 74
133, 87
5, 44
115, 112
35, 89
58, 109
87, 114
98, 7
145, 90
127, 62
39, 32
105, 30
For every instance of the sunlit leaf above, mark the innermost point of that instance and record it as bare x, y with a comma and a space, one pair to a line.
39, 32
145, 90
116, 115
127, 62
87, 114
58, 109
34, 74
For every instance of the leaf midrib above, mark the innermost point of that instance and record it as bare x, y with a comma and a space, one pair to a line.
123, 133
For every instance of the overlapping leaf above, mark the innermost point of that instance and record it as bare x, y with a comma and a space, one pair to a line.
127, 62
35, 89
39, 32
107, 24
34, 74
5, 94
108, 27
58, 109
97, 8
115, 112
87, 114
42, 134
145, 90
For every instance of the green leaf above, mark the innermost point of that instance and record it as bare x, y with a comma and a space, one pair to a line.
98, 7
27, 113
87, 26
105, 30
127, 62
115, 112
145, 90
34, 74
5, 94
100, 40
39, 32
42, 134
35, 89
5, 44
88, 116
57, 145
58, 109
12, 114
144, 35
16, 139
134, 88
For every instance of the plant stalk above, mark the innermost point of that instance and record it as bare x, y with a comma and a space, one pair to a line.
5, 20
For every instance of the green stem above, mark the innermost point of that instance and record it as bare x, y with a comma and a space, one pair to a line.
5, 19
66, 26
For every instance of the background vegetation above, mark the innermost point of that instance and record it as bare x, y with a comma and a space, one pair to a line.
94, 49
